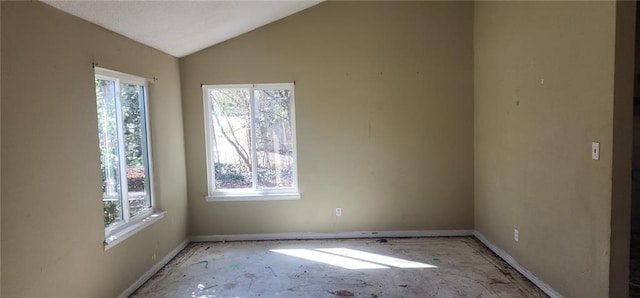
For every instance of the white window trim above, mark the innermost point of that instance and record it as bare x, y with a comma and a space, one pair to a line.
230, 195
119, 232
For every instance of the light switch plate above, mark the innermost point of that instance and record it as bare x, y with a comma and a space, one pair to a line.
595, 151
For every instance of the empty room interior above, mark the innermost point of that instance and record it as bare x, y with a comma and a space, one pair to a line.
414, 140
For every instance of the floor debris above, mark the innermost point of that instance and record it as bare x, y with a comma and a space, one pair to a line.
273, 272
343, 293
206, 264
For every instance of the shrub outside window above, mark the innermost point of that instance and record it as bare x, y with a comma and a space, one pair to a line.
121, 102
250, 138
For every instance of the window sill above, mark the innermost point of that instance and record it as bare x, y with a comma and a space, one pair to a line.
252, 196
132, 227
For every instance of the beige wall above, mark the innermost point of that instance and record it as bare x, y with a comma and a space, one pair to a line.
384, 118
544, 90
52, 223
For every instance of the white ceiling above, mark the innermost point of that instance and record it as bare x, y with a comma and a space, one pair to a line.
181, 27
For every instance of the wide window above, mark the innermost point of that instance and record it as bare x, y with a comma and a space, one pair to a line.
251, 148
123, 137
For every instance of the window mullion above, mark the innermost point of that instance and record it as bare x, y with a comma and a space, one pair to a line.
124, 185
254, 156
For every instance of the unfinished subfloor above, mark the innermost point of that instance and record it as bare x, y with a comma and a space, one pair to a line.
408, 267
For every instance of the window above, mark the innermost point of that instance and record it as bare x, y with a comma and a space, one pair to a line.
251, 147
123, 138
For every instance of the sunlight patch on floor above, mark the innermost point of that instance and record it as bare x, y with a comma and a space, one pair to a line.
329, 259
375, 258
350, 258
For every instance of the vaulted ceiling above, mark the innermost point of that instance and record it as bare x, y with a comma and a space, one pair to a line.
181, 27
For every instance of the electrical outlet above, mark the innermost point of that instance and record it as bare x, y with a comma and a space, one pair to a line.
338, 211
515, 235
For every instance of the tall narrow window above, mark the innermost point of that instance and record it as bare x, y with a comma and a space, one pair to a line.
121, 102
250, 133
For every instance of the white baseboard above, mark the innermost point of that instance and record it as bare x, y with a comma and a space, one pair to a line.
511, 261
154, 269
336, 235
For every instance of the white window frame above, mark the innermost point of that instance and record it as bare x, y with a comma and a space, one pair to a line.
217, 195
130, 225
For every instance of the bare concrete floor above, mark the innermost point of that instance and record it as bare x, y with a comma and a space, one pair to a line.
410, 267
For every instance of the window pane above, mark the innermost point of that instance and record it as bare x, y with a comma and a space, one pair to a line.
274, 144
230, 115
132, 100
108, 142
